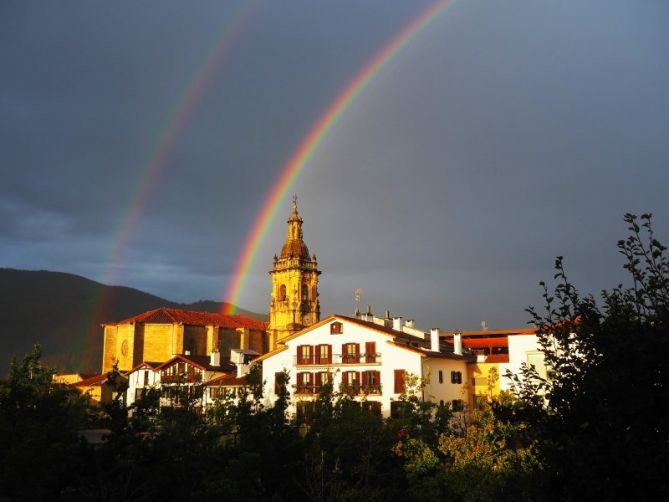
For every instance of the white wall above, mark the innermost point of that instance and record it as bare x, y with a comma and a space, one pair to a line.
391, 358
446, 391
136, 381
522, 349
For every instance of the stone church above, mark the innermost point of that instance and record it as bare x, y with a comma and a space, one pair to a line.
160, 334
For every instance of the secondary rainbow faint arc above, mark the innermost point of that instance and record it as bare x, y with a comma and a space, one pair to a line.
156, 161
312, 141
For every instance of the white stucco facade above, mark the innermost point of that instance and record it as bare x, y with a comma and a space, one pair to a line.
522, 349
362, 358
140, 378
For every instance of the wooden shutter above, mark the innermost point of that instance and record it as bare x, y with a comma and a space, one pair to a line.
319, 381
364, 378
278, 382
399, 381
370, 352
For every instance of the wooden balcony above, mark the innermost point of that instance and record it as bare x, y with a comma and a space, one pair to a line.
338, 359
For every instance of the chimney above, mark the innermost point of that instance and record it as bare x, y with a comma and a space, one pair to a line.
398, 323
457, 344
409, 323
215, 358
186, 352
434, 340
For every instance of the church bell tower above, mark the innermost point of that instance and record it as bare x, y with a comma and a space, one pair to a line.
294, 300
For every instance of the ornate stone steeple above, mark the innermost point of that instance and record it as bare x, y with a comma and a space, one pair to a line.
294, 300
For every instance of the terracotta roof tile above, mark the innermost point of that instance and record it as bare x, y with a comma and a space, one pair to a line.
228, 379
164, 315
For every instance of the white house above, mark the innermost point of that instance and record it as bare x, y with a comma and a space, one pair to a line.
367, 357
523, 348
140, 378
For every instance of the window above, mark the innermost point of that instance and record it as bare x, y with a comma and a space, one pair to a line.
350, 353
324, 354
282, 292
322, 378
441, 376
304, 354
373, 407
351, 381
305, 292
456, 377
398, 409
138, 394
279, 382
370, 352
305, 383
500, 350
336, 328
371, 382
399, 381
146, 379
457, 405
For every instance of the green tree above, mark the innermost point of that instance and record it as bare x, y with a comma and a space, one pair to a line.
39, 420
606, 427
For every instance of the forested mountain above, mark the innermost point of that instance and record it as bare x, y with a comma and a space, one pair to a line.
63, 312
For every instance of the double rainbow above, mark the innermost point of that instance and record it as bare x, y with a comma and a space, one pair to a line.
301, 157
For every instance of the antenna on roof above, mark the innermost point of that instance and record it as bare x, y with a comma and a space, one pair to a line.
358, 297
484, 326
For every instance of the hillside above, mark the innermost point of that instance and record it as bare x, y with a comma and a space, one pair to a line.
63, 313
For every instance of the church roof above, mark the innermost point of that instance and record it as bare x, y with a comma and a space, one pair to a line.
164, 315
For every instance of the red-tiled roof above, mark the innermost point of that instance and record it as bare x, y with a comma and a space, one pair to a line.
166, 315
94, 380
229, 379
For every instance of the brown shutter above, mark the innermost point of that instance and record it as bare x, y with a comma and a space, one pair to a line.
319, 381
364, 378
370, 352
399, 381
329, 357
310, 357
278, 382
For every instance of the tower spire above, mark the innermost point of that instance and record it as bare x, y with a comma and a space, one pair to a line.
294, 300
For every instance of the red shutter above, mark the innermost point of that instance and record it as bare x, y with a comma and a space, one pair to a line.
370, 352
364, 378
310, 357
329, 356
319, 381
299, 355
399, 381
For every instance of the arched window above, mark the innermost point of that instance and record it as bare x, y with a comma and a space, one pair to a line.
305, 292
282, 293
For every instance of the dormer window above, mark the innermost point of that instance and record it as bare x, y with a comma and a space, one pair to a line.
336, 328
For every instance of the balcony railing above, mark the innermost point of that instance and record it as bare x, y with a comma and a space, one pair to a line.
335, 359
371, 389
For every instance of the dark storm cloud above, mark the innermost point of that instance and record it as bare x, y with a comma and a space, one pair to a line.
503, 136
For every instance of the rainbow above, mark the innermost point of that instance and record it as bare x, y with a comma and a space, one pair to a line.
309, 145
156, 161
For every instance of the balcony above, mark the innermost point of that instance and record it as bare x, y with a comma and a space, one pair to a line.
369, 390
338, 359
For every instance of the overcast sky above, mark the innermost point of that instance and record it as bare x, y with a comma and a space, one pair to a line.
506, 134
